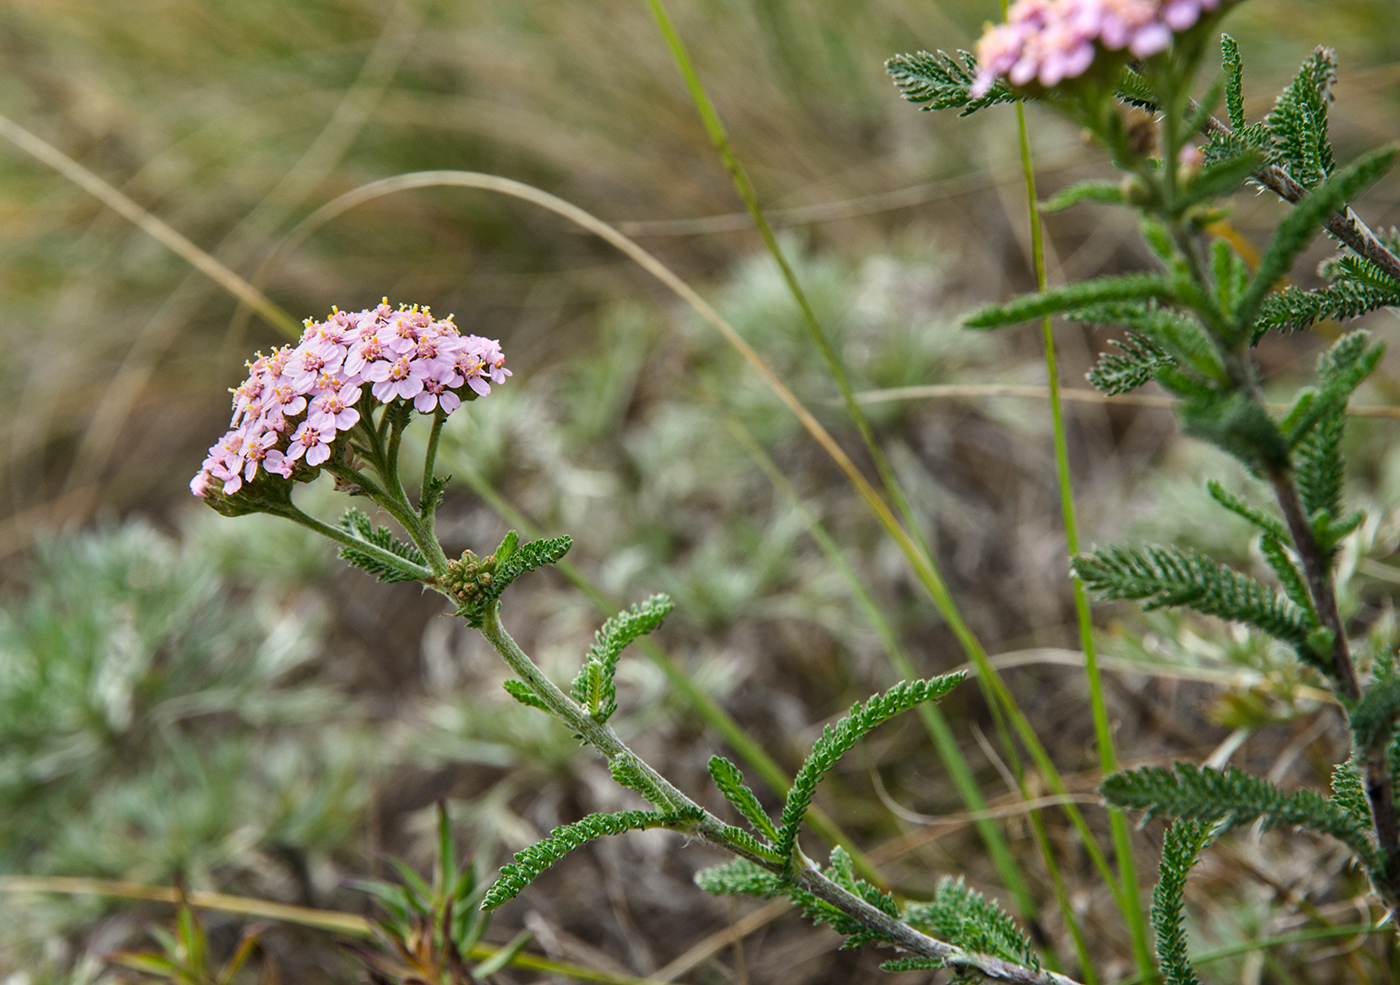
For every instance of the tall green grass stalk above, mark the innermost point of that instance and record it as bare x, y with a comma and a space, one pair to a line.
1130, 899
932, 717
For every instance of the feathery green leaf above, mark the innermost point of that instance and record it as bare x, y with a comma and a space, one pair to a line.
530, 862
1297, 124
912, 964
1294, 309
1169, 576
1135, 90
1180, 337
1290, 578
1137, 363
1233, 798
836, 740
1235, 504
1124, 287
731, 783
521, 692
938, 80
594, 687
1299, 226
1234, 81
357, 524
1184, 843
964, 917
740, 878
1349, 792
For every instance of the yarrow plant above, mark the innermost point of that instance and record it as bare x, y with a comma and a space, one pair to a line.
357, 380
1191, 326
340, 399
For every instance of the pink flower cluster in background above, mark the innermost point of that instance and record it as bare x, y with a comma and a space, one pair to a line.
296, 400
1048, 41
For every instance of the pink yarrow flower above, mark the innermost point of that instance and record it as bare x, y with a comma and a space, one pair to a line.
298, 401
1048, 41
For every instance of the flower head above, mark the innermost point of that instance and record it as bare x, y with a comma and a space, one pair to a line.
1048, 41
298, 402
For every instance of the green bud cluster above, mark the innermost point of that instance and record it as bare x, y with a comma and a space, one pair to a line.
469, 579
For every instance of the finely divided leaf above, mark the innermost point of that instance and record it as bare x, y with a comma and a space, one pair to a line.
357, 524
740, 878
1235, 504
731, 783
1179, 337
1233, 798
521, 692
1349, 792
962, 916
594, 687
939, 80
1340, 370
1298, 123
1124, 287
1294, 309
1137, 363
1135, 90
530, 862
1234, 85
836, 740
1184, 843
1169, 576
1300, 225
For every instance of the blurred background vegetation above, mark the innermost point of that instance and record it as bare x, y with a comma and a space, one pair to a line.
187, 696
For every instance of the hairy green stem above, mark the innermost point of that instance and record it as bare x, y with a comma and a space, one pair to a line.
429, 462
1379, 779
420, 573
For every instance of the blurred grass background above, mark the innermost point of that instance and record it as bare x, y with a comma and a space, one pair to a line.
184, 694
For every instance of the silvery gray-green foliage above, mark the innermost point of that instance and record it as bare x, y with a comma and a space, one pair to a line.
155, 726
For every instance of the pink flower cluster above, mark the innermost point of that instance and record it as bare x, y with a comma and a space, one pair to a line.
1047, 41
298, 399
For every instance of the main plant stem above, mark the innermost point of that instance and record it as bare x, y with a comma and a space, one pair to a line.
662, 793
1380, 782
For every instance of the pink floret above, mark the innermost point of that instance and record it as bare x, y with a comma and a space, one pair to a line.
1049, 41
297, 401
